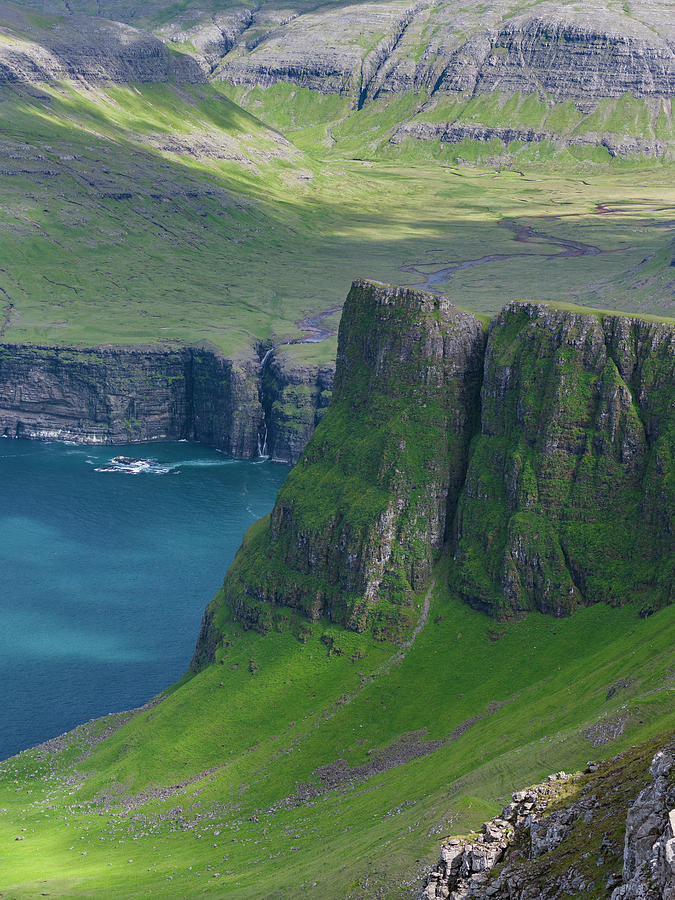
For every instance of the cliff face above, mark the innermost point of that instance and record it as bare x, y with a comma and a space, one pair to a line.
294, 398
543, 458
362, 517
113, 395
565, 52
568, 496
85, 49
567, 55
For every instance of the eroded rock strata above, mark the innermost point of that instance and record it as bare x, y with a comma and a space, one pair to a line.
113, 395
542, 456
572, 59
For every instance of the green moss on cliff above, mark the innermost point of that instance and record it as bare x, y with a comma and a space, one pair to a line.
569, 491
563, 498
362, 517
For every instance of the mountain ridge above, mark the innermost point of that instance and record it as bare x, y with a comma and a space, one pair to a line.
554, 53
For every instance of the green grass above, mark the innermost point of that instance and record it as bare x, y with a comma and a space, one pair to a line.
538, 683
108, 235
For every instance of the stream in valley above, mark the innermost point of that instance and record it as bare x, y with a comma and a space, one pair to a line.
106, 569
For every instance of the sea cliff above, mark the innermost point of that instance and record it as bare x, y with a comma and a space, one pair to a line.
117, 394
539, 455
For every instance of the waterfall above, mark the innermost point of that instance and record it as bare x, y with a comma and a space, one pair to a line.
262, 444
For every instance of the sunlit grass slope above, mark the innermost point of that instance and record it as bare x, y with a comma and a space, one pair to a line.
217, 791
147, 213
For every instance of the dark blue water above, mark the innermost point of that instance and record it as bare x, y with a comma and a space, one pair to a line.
104, 575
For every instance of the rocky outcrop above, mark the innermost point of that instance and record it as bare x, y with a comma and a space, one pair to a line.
456, 132
562, 53
543, 458
465, 865
564, 838
332, 50
112, 395
649, 854
567, 498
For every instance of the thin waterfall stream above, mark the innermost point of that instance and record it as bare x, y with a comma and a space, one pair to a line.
262, 441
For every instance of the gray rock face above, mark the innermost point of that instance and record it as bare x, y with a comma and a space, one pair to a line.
294, 397
85, 49
562, 52
463, 869
329, 50
649, 854
553, 854
112, 395
566, 54
456, 132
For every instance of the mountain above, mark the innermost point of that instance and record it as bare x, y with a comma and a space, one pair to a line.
499, 77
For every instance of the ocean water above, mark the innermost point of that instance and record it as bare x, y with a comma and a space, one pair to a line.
105, 572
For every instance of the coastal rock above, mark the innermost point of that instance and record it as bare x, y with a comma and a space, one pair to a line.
295, 397
362, 517
564, 501
542, 459
117, 394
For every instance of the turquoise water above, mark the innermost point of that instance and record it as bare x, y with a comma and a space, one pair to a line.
104, 575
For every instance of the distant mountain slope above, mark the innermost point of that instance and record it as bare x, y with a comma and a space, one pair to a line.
579, 64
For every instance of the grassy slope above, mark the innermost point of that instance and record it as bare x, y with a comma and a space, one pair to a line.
241, 236
266, 731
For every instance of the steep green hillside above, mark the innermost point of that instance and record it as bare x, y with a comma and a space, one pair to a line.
233, 784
